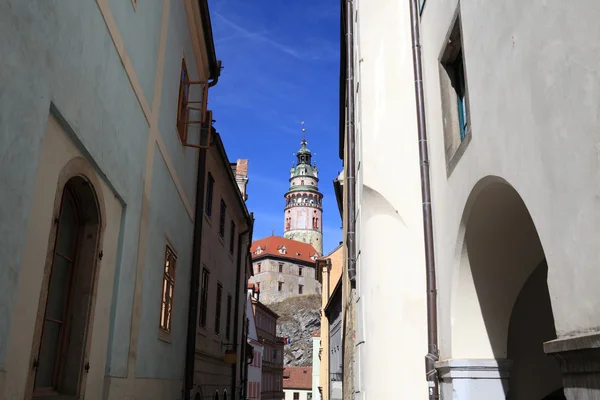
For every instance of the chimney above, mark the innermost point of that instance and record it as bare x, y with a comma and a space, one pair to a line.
241, 177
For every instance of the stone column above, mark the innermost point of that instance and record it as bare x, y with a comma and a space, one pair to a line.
579, 361
474, 379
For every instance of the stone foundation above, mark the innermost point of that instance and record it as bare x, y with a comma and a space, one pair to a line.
579, 361
474, 379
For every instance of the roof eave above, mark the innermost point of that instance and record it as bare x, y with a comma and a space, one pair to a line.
209, 41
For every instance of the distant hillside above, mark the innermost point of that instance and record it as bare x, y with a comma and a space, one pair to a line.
299, 317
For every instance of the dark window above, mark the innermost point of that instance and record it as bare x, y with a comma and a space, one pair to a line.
182, 106
209, 194
280, 286
299, 271
280, 267
168, 288
296, 396
218, 309
228, 322
232, 238
222, 219
457, 70
300, 289
204, 297
258, 268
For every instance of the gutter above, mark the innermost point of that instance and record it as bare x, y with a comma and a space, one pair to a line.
432, 328
350, 182
342, 82
240, 261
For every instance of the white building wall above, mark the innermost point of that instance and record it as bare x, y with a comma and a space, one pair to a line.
534, 120
254, 369
303, 394
390, 263
316, 367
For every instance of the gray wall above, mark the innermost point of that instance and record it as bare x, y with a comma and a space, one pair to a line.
61, 52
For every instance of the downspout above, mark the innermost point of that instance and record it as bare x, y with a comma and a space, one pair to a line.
190, 346
350, 156
237, 297
432, 328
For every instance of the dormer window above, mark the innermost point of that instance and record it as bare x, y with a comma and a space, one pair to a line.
259, 250
282, 250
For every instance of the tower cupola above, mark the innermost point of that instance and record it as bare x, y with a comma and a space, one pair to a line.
303, 207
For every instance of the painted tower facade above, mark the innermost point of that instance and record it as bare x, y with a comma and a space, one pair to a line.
304, 203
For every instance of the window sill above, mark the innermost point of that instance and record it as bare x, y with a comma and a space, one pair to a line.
164, 336
458, 153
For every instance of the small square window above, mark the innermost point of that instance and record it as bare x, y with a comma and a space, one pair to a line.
280, 286
209, 194
300, 289
299, 271
232, 238
280, 267
218, 309
203, 297
222, 219
228, 322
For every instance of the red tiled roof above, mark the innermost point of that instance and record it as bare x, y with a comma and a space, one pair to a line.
293, 249
297, 378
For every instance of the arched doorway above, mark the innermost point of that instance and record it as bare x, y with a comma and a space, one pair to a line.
501, 308
61, 346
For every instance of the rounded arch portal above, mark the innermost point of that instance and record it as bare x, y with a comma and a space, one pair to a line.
500, 307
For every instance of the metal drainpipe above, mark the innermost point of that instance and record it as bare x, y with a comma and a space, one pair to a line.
350, 133
432, 328
190, 346
240, 261
190, 349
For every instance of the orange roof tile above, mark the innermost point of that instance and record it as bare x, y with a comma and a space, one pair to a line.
297, 378
272, 246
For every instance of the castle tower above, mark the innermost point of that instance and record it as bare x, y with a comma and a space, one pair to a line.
304, 203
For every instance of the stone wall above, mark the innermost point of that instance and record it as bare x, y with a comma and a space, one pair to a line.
269, 277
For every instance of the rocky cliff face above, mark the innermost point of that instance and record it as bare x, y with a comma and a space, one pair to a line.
299, 317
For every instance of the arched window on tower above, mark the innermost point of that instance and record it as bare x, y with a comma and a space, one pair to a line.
288, 223
302, 182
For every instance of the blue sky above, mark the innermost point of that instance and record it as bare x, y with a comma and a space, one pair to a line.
281, 67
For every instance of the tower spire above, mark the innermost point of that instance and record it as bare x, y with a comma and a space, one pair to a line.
303, 132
